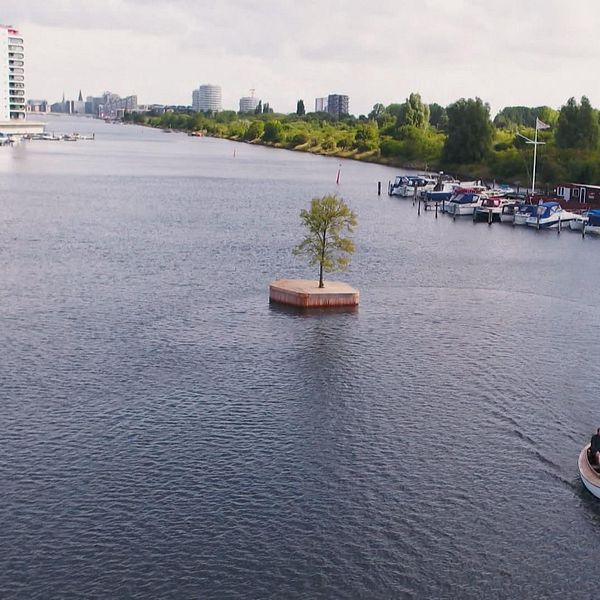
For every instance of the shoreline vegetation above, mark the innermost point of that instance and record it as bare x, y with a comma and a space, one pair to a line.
460, 138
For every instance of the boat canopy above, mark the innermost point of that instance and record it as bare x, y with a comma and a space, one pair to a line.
545, 209
465, 198
594, 217
440, 196
527, 209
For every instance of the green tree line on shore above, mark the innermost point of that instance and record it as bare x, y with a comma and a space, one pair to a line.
460, 138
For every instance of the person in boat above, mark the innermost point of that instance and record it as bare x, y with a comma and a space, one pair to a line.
595, 448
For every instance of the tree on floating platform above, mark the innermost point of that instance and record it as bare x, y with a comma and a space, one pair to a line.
328, 220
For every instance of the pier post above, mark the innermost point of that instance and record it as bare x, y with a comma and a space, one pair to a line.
419, 209
559, 224
490, 217
379, 188
436, 208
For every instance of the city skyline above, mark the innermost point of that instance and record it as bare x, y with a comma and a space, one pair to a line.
504, 52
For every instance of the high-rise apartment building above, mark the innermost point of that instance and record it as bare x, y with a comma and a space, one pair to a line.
248, 104
12, 74
207, 98
337, 105
320, 104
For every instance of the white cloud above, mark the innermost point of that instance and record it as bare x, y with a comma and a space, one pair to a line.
506, 52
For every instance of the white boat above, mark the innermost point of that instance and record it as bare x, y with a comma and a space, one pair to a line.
593, 223
464, 202
408, 186
589, 476
550, 215
491, 206
523, 212
578, 223
507, 212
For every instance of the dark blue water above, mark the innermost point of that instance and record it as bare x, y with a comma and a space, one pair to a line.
168, 434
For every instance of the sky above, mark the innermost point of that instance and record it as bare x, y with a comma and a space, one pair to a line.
510, 52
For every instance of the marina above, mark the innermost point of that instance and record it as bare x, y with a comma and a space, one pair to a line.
168, 432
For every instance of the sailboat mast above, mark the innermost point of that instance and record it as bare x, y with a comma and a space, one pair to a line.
535, 145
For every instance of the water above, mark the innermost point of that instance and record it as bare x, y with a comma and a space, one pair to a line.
168, 434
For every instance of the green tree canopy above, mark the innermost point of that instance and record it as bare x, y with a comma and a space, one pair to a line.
273, 132
255, 131
413, 112
511, 117
577, 125
438, 117
470, 131
328, 220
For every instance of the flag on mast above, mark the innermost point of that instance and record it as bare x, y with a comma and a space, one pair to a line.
540, 124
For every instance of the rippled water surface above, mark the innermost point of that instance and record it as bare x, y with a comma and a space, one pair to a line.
168, 434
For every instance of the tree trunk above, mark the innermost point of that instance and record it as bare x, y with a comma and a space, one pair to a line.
321, 284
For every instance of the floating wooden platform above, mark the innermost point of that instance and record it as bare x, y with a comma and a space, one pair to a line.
306, 293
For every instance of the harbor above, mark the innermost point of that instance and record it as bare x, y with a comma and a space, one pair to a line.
162, 418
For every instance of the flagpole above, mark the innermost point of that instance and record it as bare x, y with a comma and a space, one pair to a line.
535, 145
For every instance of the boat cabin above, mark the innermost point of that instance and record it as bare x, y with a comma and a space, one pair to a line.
579, 192
594, 218
546, 209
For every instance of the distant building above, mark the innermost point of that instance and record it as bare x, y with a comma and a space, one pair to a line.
112, 106
207, 98
12, 74
320, 104
37, 106
579, 192
79, 105
337, 105
248, 104
92, 105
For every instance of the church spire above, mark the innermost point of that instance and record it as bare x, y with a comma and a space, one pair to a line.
80, 99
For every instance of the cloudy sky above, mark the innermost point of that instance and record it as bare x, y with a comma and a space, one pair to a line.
510, 52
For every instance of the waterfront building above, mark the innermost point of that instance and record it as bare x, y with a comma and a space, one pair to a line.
579, 192
207, 98
12, 74
79, 105
248, 104
13, 108
38, 106
338, 105
112, 106
320, 104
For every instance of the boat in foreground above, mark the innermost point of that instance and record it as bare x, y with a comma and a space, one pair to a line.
593, 222
408, 186
491, 208
589, 476
578, 223
550, 215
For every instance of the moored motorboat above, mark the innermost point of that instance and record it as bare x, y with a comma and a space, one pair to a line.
550, 215
439, 198
578, 223
589, 476
464, 202
408, 186
507, 212
490, 207
593, 223
523, 212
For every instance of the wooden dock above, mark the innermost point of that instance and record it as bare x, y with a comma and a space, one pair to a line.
306, 293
